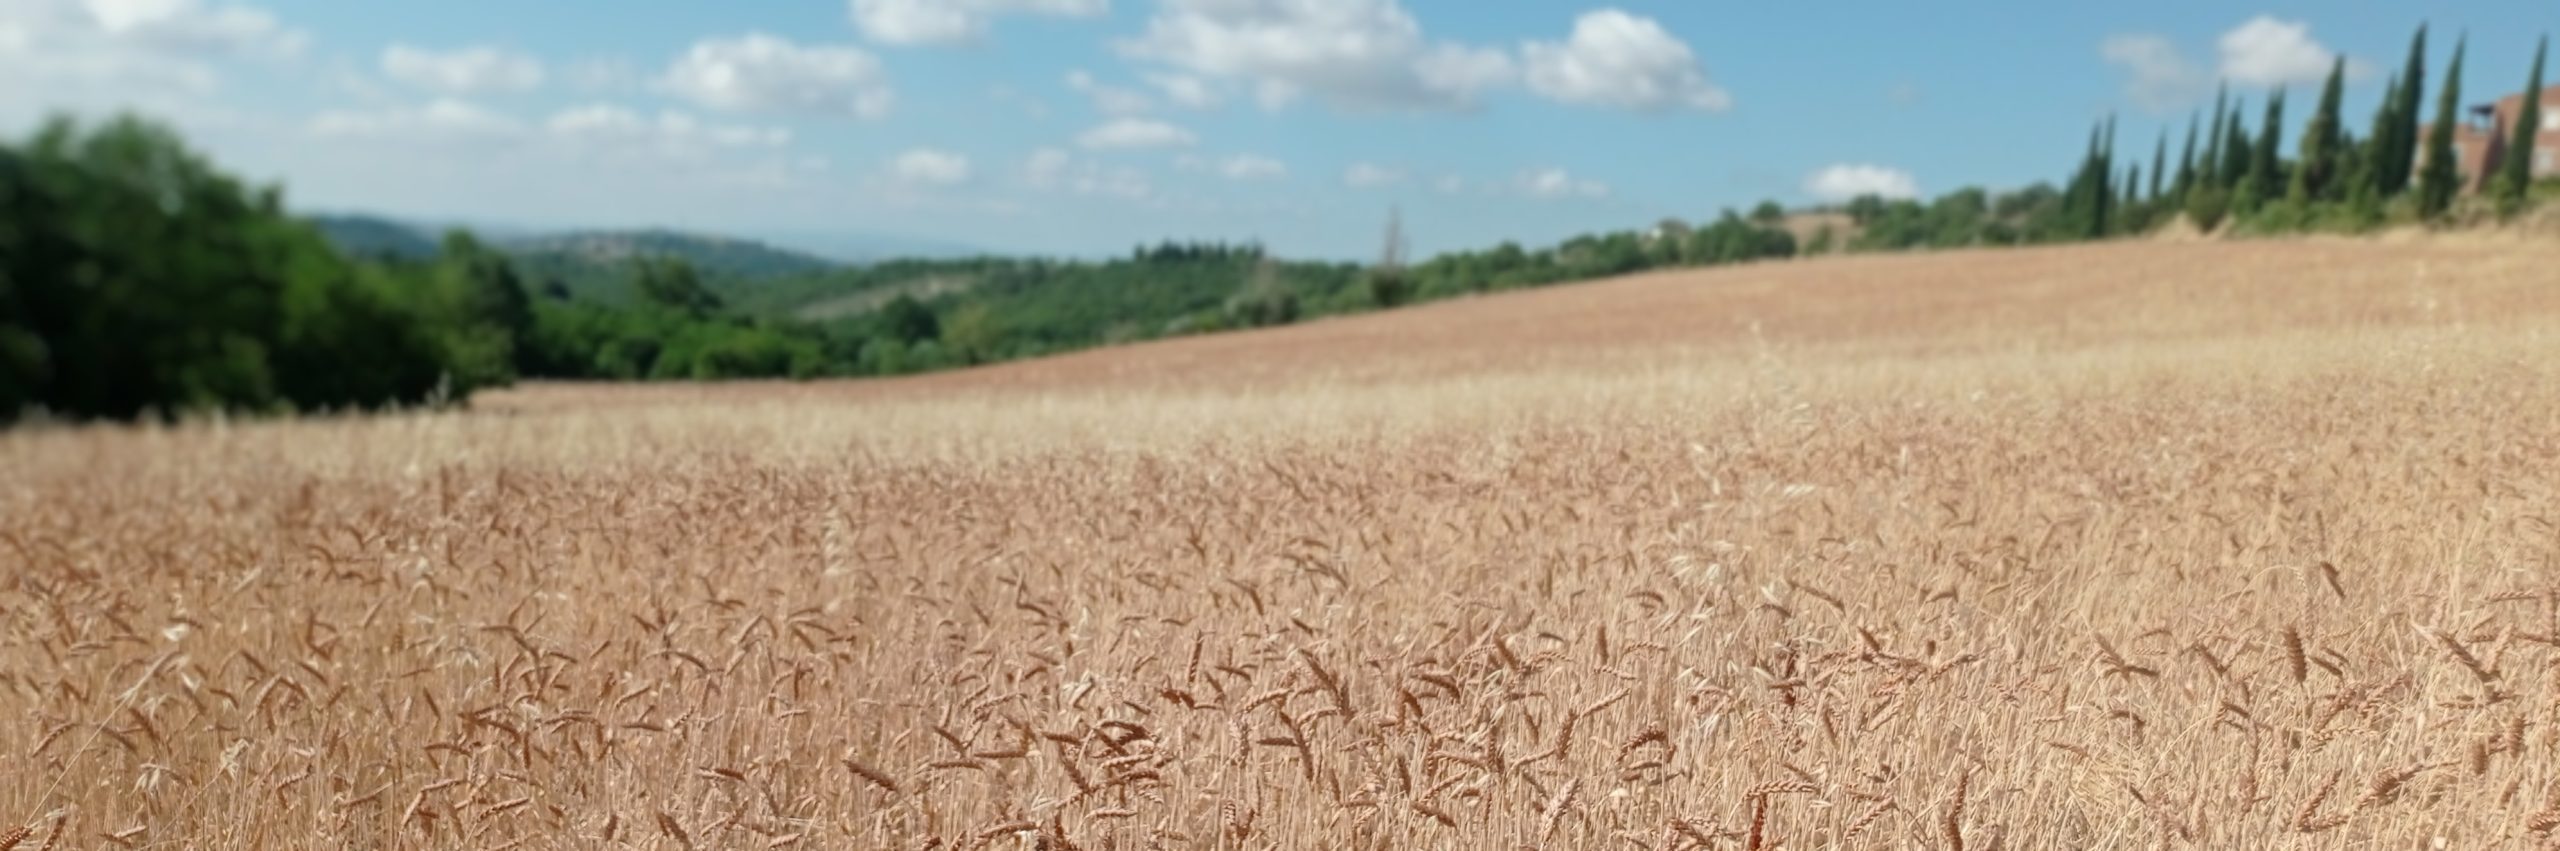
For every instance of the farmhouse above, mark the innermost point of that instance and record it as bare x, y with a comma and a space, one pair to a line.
2480, 144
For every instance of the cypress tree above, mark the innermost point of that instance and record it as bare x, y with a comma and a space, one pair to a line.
2106, 186
2517, 176
2400, 154
2211, 167
2442, 179
2374, 159
2187, 162
2260, 185
2237, 153
2316, 177
2159, 164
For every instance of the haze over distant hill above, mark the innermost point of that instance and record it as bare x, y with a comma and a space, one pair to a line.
593, 263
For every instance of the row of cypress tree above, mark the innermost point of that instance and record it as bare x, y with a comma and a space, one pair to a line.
2224, 170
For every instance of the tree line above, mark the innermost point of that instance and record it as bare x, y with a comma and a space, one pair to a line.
136, 279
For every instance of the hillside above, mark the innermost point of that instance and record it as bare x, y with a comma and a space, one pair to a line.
1974, 549
1870, 311
596, 263
375, 237
592, 264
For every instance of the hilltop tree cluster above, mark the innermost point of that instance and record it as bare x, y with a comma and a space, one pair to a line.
2402, 169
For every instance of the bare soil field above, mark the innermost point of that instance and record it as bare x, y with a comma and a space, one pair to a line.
2129, 546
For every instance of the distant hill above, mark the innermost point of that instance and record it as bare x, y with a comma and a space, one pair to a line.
596, 264
375, 237
713, 256
592, 264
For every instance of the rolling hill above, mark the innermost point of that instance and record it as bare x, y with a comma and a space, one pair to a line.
591, 263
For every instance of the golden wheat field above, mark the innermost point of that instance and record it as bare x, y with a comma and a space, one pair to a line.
2122, 547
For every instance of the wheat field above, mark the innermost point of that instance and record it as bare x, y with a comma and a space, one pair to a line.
2120, 547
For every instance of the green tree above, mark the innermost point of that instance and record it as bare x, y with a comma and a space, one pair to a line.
672, 283
972, 334
2515, 177
2398, 144
908, 321
2373, 165
2237, 152
2316, 178
485, 311
2159, 164
2187, 163
136, 277
2264, 177
2209, 169
2442, 178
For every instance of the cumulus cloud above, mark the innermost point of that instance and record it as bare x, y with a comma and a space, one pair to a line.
1127, 133
949, 21
1371, 175
1185, 91
1557, 183
671, 131
1356, 53
1615, 59
192, 26
1053, 169
1237, 167
441, 120
463, 71
2261, 52
56, 53
1850, 180
2158, 77
1110, 99
930, 167
2266, 51
765, 73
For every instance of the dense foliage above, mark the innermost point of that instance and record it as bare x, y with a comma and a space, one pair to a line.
134, 277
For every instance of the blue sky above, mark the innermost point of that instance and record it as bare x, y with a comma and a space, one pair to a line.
1085, 126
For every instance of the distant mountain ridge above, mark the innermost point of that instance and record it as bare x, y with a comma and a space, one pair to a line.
588, 263
375, 237
718, 257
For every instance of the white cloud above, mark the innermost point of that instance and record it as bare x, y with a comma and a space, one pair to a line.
1371, 175
672, 132
2266, 51
1449, 184
2161, 78
1846, 181
75, 53
765, 73
1355, 53
472, 70
1136, 133
1053, 169
930, 167
1110, 99
2261, 52
441, 120
949, 21
1237, 167
1185, 91
1615, 59
1557, 183
194, 27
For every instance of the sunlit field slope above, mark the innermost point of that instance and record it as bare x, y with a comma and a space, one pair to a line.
2113, 547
